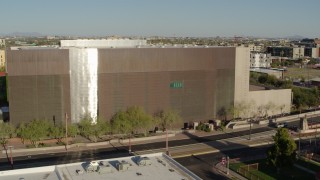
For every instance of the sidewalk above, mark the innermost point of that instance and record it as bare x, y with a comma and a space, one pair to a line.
20, 149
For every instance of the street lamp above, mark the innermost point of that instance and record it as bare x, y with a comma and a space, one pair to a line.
250, 120
11, 159
227, 165
167, 143
66, 133
315, 139
299, 139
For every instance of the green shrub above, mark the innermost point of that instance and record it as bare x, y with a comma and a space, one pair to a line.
203, 127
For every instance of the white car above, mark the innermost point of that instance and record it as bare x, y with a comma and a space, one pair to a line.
281, 125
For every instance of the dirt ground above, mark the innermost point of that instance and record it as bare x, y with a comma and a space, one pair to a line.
306, 73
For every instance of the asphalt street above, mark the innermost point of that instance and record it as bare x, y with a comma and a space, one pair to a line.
203, 165
104, 153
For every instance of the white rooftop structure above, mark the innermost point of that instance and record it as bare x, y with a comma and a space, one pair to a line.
103, 43
160, 166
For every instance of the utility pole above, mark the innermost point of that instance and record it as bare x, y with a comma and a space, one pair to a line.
167, 144
250, 129
299, 140
228, 165
315, 139
66, 118
130, 143
11, 158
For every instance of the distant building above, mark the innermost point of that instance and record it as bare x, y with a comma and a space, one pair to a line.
312, 52
260, 60
317, 42
254, 48
315, 82
307, 43
278, 73
105, 43
2, 42
2, 58
289, 52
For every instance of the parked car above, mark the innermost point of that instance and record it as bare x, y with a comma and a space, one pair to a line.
281, 125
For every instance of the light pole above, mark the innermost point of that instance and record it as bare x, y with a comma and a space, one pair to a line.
66, 117
167, 143
315, 139
228, 165
299, 140
130, 143
250, 129
11, 159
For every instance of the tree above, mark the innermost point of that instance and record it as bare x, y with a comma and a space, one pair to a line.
35, 131
272, 80
85, 127
22, 132
120, 123
235, 110
168, 118
282, 107
139, 120
282, 153
99, 129
72, 130
263, 78
93, 131
57, 132
222, 113
6, 131
267, 107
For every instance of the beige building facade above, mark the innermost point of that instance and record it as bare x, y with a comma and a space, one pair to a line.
198, 82
279, 100
2, 58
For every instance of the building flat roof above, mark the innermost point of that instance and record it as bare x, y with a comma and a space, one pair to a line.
160, 166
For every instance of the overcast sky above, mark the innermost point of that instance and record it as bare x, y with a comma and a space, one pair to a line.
227, 18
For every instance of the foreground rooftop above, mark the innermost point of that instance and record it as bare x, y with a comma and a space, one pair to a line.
158, 166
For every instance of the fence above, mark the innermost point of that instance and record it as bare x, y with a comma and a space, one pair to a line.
246, 171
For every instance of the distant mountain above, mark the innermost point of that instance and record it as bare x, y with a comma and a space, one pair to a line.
295, 37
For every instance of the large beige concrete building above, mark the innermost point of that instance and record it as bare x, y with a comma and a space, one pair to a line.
279, 99
99, 81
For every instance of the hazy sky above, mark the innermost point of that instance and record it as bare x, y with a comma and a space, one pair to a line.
267, 18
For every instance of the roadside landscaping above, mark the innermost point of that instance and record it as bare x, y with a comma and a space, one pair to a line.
266, 171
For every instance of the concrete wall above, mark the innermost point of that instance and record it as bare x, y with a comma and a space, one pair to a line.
276, 97
241, 74
142, 76
38, 84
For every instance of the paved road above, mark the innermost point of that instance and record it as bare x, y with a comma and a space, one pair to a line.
203, 165
104, 153
313, 120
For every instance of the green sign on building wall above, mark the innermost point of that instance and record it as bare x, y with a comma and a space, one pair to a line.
176, 84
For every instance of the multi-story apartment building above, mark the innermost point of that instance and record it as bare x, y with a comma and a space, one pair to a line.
254, 48
312, 52
289, 52
260, 60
